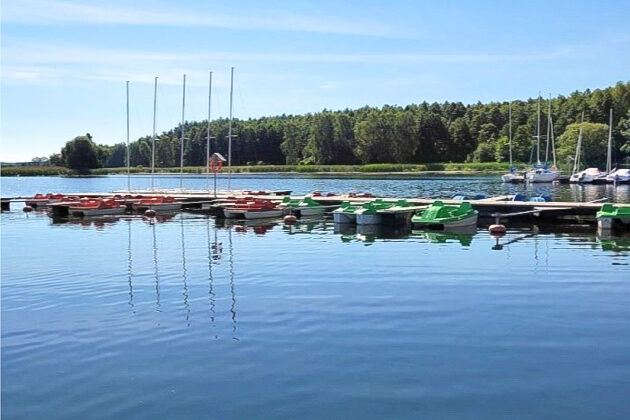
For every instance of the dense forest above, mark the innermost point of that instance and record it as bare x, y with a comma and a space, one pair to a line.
418, 133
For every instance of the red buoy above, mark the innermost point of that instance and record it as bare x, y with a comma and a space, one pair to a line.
497, 229
290, 219
27, 209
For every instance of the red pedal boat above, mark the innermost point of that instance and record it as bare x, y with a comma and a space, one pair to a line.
252, 209
96, 207
157, 203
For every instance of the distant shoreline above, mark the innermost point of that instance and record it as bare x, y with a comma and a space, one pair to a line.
371, 170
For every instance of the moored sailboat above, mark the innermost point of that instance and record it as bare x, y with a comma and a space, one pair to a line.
512, 176
587, 176
541, 171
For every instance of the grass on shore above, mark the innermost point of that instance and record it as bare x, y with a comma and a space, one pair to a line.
487, 167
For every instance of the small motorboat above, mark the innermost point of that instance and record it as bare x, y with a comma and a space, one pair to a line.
619, 176
609, 214
158, 204
304, 207
96, 207
257, 209
345, 213
439, 215
512, 178
587, 176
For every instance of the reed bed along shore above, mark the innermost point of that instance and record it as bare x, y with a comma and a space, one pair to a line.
378, 168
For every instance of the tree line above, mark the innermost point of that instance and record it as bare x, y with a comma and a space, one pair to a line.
417, 133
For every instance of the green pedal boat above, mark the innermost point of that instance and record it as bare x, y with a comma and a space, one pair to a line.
303, 207
439, 215
345, 213
609, 213
370, 213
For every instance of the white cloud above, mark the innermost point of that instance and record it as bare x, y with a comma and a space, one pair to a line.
47, 12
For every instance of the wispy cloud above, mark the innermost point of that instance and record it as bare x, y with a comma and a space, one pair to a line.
51, 12
24, 62
55, 54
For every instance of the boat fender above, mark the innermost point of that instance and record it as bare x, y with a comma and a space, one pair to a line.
497, 229
149, 213
290, 219
27, 209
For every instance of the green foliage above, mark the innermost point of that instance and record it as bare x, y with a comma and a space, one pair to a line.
420, 134
81, 154
594, 143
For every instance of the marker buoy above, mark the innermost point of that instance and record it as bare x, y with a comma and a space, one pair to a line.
240, 228
27, 209
290, 219
497, 229
149, 213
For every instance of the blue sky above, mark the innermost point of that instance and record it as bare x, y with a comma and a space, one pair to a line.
65, 62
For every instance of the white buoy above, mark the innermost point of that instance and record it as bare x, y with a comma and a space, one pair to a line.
290, 219
27, 209
149, 213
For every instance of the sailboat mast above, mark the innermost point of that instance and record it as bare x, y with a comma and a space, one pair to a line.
538, 133
230, 132
153, 139
128, 152
510, 131
181, 152
553, 142
548, 130
208, 136
609, 158
576, 161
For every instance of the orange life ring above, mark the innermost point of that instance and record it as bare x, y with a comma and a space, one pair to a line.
216, 165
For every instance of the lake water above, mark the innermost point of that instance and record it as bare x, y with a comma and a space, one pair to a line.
188, 317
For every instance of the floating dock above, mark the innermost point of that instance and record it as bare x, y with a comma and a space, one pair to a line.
495, 207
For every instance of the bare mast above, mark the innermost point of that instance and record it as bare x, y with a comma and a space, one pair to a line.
230, 132
510, 131
153, 138
208, 137
609, 158
538, 132
181, 156
576, 161
548, 131
128, 152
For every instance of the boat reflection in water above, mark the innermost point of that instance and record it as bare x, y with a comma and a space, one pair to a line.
463, 235
259, 227
614, 243
100, 222
368, 234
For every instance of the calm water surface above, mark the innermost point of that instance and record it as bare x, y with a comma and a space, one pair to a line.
188, 317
